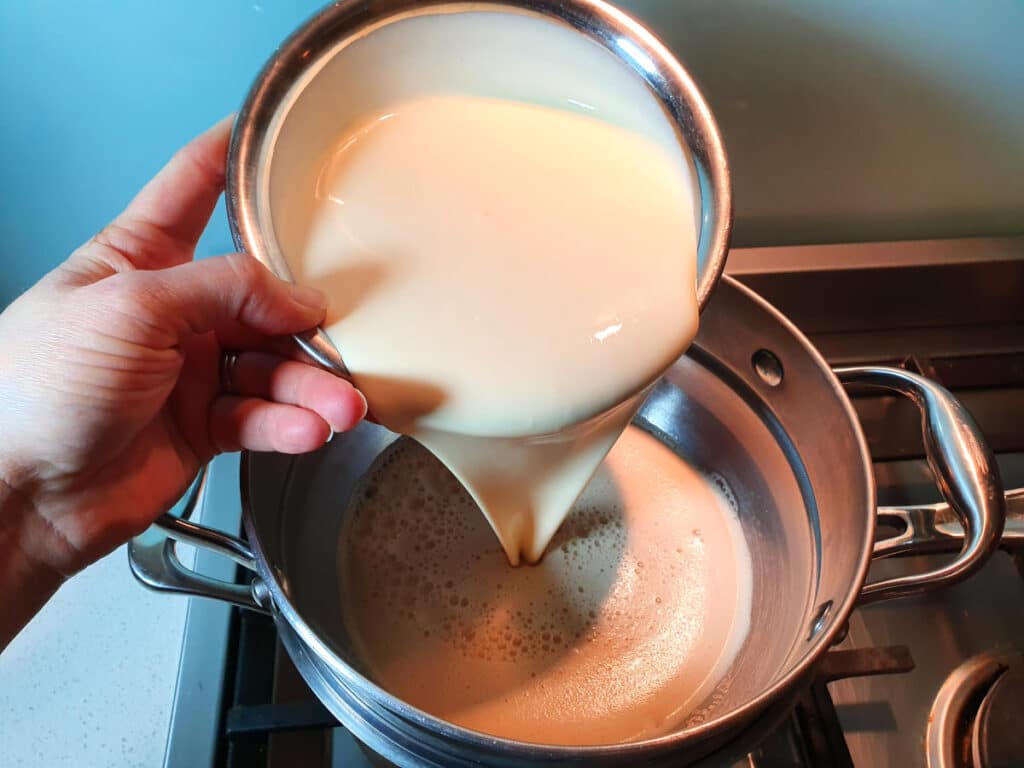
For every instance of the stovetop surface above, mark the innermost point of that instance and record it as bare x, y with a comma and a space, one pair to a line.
884, 718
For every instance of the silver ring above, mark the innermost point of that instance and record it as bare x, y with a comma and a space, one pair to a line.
227, 370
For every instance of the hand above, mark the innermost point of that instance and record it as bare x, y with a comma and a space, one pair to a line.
110, 380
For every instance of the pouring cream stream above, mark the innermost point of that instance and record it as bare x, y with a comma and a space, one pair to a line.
507, 275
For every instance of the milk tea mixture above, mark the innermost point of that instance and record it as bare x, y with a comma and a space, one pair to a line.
508, 272
624, 628
503, 272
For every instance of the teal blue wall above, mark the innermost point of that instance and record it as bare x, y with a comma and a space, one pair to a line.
843, 119
95, 97
861, 119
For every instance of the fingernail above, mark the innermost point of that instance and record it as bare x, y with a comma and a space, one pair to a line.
308, 296
366, 405
348, 422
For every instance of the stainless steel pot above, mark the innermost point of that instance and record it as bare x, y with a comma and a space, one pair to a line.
753, 401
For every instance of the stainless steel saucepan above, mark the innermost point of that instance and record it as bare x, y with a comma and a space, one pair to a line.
754, 402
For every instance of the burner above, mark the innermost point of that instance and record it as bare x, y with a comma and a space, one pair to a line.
998, 740
974, 720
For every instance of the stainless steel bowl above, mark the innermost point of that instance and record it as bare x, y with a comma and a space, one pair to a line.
296, 64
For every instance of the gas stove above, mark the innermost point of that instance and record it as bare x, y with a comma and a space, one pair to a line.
935, 680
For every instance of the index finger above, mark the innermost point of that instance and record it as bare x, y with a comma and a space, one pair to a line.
179, 200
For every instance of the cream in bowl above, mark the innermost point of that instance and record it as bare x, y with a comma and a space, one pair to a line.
505, 220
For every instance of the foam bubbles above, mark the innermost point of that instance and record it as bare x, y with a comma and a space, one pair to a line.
725, 490
615, 618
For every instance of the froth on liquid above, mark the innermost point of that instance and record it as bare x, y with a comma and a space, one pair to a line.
628, 624
505, 263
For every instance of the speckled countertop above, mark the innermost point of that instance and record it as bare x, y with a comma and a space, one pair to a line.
90, 681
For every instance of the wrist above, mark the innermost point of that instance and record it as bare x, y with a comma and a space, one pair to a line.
27, 581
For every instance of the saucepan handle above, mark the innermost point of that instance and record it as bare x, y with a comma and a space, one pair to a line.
965, 471
936, 529
154, 562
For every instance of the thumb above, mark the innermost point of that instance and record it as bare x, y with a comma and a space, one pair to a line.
199, 296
